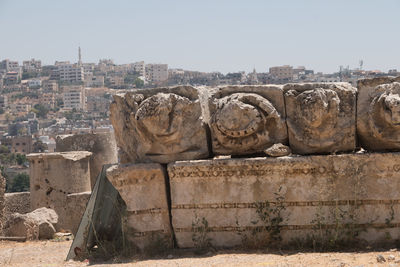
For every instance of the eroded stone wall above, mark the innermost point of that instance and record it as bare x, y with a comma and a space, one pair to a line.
17, 202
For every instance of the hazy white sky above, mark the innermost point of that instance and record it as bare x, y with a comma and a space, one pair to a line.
206, 35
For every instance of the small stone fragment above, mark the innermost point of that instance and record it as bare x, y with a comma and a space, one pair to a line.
278, 150
391, 257
380, 259
46, 230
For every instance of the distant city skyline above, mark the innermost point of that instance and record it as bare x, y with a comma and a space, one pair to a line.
225, 36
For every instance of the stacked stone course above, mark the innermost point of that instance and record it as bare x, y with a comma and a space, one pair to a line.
220, 201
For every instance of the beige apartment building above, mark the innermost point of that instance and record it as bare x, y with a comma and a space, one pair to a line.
50, 86
282, 72
156, 72
74, 98
139, 67
70, 73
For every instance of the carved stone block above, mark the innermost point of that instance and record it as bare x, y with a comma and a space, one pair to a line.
378, 114
321, 117
259, 201
159, 125
142, 187
246, 119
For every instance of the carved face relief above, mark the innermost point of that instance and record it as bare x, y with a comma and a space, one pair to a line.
159, 125
313, 118
159, 114
243, 121
317, 108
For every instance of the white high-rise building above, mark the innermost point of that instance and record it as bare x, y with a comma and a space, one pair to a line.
139, 67
74, 98
157, 72
70, 73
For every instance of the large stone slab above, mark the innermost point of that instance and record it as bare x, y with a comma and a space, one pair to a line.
246, 119
321, 117
53, 176
378, 113
256, 201
159, 125
143, 188
102, 145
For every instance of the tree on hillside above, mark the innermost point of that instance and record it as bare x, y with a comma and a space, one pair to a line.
139, 83
20, 158
39, 147
40, 110
20, 183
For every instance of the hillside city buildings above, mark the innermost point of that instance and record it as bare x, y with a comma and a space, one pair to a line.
39, 102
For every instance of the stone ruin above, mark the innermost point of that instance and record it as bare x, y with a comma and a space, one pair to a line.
195, 169
60, 182
54, 177
102, 146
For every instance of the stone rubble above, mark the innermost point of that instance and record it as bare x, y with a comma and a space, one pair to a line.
38, 224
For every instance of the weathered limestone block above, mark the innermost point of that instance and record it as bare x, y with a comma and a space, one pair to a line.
159, 125
247, 119
143, 188
321, 117
17, 202
102, 145
378, 114
257, 201
75, 207
53, 176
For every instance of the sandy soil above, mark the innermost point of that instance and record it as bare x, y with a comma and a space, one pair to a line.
52, 253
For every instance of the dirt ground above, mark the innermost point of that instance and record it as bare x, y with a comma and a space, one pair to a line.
52, 253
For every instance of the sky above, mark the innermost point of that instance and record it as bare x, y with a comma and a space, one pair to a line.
205, 35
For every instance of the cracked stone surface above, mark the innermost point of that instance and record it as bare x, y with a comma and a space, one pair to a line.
159, 125
246, 119
378, 114
321, 117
